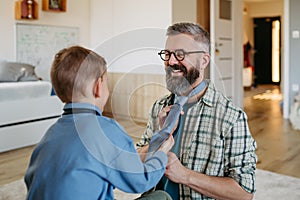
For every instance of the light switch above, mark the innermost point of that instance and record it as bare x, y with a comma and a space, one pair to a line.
295, 87
296, 34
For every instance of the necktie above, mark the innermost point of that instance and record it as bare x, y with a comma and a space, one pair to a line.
160, 136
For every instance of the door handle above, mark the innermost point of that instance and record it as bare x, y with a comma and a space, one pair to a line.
217, 51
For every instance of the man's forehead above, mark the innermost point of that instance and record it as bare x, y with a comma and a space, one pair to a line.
181, 41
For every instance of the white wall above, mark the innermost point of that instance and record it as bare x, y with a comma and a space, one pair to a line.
184, 11
247, 26
112, 17
7, 30
135, 28
129, 33
77, 15
266, 9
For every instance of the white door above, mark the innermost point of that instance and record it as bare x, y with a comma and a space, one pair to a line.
221, 32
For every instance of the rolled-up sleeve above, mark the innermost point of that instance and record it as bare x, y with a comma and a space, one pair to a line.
240, 154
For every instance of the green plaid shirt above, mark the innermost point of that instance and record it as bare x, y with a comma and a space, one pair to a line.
216, 140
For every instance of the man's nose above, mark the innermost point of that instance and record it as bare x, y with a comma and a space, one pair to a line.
173, 59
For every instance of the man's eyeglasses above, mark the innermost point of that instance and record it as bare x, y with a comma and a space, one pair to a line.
179, 54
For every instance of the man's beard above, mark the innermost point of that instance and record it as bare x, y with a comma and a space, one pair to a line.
181, 85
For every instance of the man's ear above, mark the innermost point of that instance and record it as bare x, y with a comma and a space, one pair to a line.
205, 60
97, 88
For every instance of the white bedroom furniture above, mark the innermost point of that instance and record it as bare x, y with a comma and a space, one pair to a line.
23, 121
26, 105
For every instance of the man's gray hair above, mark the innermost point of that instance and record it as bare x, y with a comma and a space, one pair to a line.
199, 34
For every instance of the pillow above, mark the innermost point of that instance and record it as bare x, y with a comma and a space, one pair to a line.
14, 71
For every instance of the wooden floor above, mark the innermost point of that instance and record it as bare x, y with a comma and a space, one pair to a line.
278, 144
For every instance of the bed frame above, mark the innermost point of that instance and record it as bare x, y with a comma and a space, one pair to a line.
24, 122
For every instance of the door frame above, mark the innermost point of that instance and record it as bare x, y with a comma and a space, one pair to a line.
237, 44
285, 55
238, 58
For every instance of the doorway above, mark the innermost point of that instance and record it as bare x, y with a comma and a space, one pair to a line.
251, 9
267, 50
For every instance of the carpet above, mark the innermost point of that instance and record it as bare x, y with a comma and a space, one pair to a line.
276, 186
16, 190
269, 186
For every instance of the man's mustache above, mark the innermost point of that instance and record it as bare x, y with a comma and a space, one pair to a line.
170, 68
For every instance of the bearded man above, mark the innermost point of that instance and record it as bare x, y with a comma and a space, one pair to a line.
214, 152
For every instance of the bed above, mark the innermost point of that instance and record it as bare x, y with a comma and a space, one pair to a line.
27, 107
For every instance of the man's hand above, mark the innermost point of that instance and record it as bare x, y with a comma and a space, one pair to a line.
175, 171
211, 186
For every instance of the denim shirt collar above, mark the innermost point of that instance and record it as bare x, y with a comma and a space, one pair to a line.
82, 106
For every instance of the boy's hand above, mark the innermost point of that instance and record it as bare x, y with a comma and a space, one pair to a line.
142, 151
167, 145
162, 117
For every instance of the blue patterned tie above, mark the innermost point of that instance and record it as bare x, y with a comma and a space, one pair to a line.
160, 136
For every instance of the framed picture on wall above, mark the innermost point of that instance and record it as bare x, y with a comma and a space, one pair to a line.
54, 5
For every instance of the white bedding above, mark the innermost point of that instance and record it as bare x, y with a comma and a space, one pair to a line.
10, 91
24, 122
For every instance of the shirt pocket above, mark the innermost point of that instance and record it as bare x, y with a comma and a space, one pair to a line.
206, 155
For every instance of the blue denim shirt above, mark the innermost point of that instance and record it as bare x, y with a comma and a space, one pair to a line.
85, 156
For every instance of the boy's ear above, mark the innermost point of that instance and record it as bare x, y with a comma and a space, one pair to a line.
97, 88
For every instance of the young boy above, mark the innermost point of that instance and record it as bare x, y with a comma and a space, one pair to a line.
85, 155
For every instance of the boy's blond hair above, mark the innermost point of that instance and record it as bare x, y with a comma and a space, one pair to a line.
74, 72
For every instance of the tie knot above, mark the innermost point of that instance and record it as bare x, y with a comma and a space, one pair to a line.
181, 100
